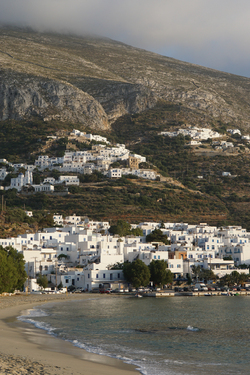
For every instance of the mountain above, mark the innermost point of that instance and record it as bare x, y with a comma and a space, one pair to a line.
94, 81
52, 83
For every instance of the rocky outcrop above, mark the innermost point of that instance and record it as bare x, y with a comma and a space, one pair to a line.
118, 98
26, 96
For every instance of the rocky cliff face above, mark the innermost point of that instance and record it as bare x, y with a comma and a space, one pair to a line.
27, 96
118, 98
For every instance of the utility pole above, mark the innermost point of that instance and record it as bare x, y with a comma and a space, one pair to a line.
28, 277
35, 267
56, 276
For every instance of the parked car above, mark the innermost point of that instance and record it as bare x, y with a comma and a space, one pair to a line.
103, 291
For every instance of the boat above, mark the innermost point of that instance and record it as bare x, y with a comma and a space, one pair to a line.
137, 295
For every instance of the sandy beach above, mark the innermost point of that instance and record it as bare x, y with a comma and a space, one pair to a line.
27, 350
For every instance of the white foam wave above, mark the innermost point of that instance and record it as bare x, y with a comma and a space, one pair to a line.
33, 313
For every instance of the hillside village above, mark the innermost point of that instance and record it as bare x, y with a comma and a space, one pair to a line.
81, 252
197, 135
99, 158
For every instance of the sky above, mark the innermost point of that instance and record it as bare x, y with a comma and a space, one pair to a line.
211, 33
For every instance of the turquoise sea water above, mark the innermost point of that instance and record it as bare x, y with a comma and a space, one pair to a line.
179, 335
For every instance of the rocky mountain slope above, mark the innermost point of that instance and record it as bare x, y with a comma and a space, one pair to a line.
94, 81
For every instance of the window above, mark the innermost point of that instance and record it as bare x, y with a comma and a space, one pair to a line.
88, 276
67, 281
118, 275
97, 275
159, 257
178, 266
104, 275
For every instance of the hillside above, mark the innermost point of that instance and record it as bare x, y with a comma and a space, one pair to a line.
94, 81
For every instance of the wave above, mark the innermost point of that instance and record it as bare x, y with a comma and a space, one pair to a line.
36, 313
143, 360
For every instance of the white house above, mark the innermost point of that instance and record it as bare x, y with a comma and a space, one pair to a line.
114, 173
43, 188
20, 181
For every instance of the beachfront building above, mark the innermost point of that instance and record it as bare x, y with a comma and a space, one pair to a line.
86, 243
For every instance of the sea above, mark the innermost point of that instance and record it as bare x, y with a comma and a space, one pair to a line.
161, 336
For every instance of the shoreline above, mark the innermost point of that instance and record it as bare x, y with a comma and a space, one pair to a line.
24, 347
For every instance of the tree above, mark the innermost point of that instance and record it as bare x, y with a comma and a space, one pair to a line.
12, 272
159, 273
189, 279
42, 281
228, 257
203, 274
196, 270
136, 232
116, 266
137, 273
207, 274
19, 263
157, 236
237, 278
162, 225
122, 228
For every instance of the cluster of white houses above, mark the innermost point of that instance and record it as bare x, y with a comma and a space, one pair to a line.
81, 252
99, 158
194, 132
202, 134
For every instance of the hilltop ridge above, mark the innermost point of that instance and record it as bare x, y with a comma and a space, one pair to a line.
94, 81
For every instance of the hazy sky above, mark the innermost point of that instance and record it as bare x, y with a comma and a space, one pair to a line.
213, 33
